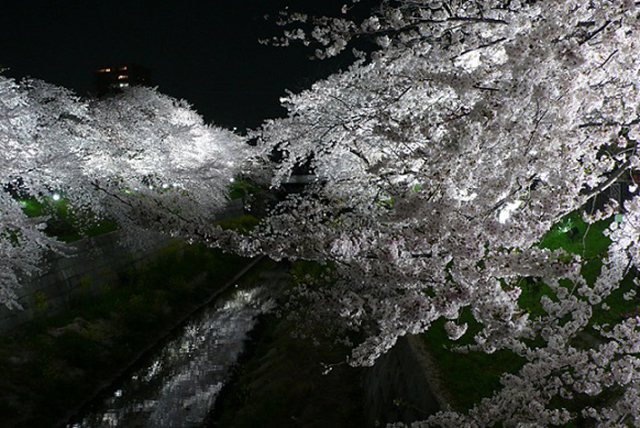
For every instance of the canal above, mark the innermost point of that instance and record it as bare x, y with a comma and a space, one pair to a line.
176, 383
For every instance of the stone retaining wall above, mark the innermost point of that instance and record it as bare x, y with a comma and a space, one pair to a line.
402, 386
92, 263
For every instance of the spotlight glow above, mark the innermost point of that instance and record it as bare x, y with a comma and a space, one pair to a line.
509, 208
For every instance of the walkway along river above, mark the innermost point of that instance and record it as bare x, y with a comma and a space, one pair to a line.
177, 383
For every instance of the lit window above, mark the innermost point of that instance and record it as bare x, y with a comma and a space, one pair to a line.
123, 68
123, 85
123, 76
104, 70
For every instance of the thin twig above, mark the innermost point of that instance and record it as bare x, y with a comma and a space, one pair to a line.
608, 58
486, 45
595, 33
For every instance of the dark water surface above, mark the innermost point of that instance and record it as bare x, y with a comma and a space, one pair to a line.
177, 383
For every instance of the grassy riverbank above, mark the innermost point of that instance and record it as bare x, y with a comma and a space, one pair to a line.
53, 364
471, 376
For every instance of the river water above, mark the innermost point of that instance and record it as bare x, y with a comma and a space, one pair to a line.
177, 383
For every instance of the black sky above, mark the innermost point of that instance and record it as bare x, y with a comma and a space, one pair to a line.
206, 52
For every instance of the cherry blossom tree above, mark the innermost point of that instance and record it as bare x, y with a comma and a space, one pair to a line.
30, 115
159, 166
442, 160
141, 158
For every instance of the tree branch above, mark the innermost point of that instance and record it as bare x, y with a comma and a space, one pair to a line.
612, 179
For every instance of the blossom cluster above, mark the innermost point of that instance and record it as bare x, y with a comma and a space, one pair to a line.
442, 159
445, 157
141, 158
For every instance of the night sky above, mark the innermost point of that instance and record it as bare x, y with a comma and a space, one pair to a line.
205, 52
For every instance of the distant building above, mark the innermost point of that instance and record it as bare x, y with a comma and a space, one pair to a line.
111, 80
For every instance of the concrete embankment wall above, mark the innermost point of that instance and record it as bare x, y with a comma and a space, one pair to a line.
402, 386
91, 263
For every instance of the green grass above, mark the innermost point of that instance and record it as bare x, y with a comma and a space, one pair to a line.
241, 188
243, 224
595, 243
65, 224
471, 376
593, 251
68, 225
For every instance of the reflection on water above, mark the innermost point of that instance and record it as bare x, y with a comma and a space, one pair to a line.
179, 383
